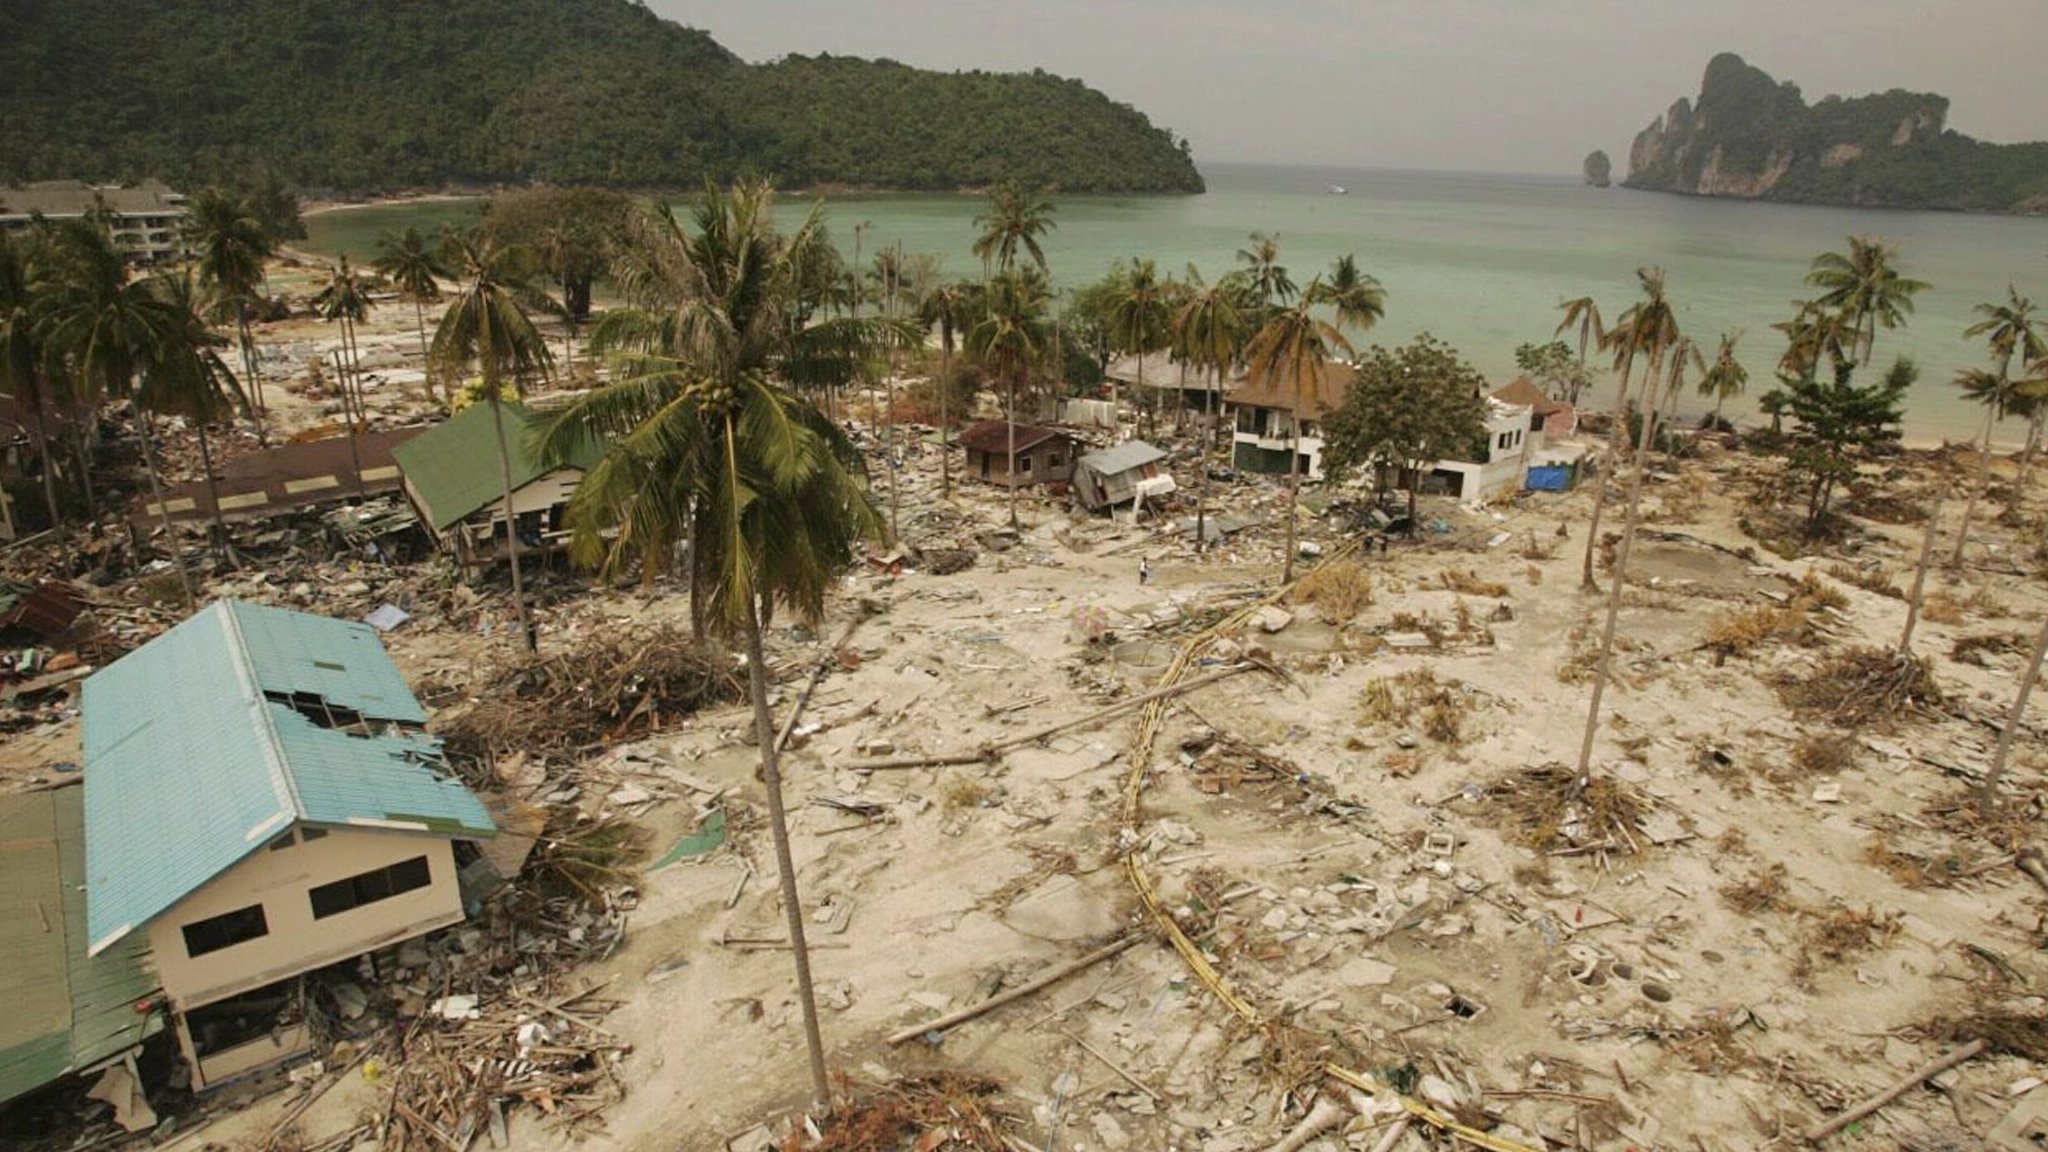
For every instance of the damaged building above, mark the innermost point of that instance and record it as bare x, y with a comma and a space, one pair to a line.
261, 801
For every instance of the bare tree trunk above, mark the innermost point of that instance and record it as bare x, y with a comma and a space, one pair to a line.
2027, 454
889, 454
1614, 593
1987, 793
1614, 435
1920, 574
82, 446
251, 366
220, 523
419, 316
1010, 429
1955, 560
1293, 484
785, 863
945, 445
1204, 447
49, 463
156, 494
526, 633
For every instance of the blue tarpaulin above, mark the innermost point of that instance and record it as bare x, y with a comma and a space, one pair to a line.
1550, 478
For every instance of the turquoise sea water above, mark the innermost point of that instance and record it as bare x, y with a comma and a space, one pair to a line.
1480, 260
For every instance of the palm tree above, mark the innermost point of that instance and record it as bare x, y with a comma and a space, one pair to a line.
707, 438
346, 298
2030, 398
1266, 278
108, 330
1292, 349
1209, 332
1138, 321
1017, 216
1865, 289
1725, 377
2011, 330
1815, 333
23, 354
233, 245
1582, 313
948, 305
1358, 299
187, 377
1009, 340
1646, 330
414, 266
487, 324
1684, 354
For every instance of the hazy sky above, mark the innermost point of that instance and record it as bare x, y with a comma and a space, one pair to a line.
1500, 85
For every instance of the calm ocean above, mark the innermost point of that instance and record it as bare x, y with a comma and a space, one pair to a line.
1480, 260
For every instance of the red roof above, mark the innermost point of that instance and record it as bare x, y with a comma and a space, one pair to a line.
1522, 390
993, 436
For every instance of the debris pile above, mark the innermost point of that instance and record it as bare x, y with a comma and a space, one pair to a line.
611, 684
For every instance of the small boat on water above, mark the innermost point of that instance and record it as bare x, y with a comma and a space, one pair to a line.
1337, 190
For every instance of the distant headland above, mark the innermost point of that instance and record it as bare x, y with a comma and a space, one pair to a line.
354, 99
1751, 137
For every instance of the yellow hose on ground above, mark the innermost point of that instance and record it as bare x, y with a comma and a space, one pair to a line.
1198, 964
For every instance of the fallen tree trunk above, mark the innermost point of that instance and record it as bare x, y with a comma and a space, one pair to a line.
989, 753
1905, 1084
1058, 974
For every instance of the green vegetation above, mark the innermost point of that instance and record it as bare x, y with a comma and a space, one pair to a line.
1408, 407
1750, 136
389, 95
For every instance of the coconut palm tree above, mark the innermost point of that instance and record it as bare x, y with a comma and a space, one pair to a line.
947, 305
1208, 332
229, 237
346, 297
705, 437
1865, 289
1017, 217
1725, 377
488, 325
1645, 331
1292, 350
1357, 298
108, 329
1265, 277
1815, 333
1009, 340
24, 364
1684, 355
710, 294
1139, 323
187, 377
413, 265
1583, 314
2012, 331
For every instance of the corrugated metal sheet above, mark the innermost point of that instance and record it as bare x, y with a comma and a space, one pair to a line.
1125, 456
453, 466
196, 753
63, 1011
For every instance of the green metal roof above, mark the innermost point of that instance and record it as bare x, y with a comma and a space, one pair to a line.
64, 1011
453, 469
202, 745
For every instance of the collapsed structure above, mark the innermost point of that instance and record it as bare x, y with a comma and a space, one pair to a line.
262, 800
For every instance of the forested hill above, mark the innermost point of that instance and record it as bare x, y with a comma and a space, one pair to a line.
378, 95
1750, 136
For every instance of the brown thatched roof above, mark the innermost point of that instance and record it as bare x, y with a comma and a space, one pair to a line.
1334, 380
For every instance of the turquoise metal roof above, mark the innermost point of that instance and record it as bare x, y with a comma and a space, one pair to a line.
202, 745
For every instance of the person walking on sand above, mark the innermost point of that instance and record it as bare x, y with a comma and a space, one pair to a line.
1144, 572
